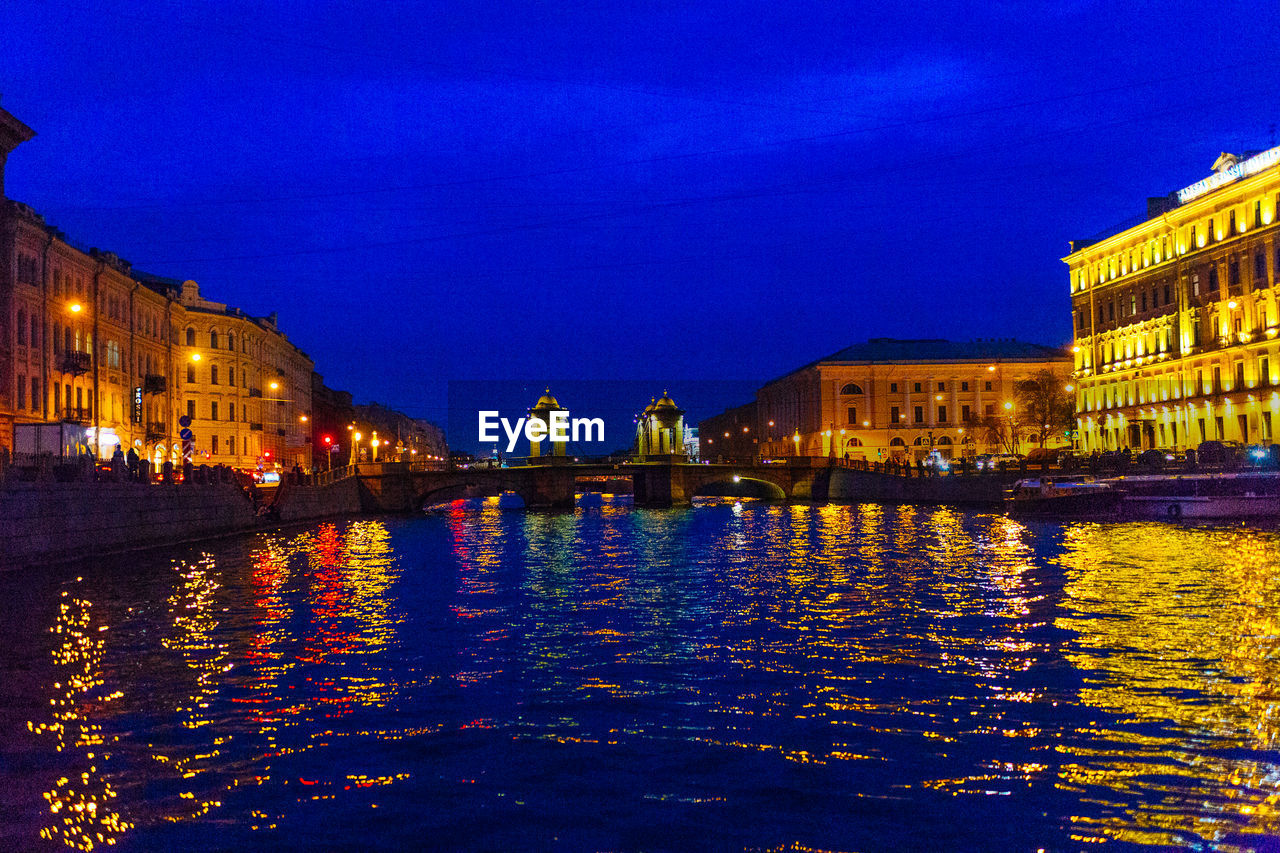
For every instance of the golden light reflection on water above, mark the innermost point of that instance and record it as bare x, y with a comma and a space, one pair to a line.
1118, 679
351, 614
1178, 633
82, 807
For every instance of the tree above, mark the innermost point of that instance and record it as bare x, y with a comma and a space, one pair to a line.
1043, 402
994, 431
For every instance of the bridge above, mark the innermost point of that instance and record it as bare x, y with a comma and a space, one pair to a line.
407, 486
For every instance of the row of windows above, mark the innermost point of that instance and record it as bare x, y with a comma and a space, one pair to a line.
22, 393
29, 273
1196, 235
22, 329
28, 269
71, 286
918, 414
230, 445
35, 402
1159, 295
1162, 388
215, 376
1195, 431
214, 409
116, 308
74, 339
214, 337
853, 388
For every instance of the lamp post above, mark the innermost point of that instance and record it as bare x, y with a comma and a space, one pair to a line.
355, 444
1008, 407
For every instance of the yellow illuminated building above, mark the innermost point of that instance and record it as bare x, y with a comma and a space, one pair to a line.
113, 357
246, 389
888, 398
1175, 318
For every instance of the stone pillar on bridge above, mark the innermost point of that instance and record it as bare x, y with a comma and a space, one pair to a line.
547, 488
658, 485
660, 432
542, 411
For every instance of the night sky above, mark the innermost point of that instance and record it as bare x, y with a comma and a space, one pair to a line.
697, 191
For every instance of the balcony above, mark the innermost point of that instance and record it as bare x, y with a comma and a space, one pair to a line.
255, 392
153, 383
76, 415
76, 363
157, 432
256, 427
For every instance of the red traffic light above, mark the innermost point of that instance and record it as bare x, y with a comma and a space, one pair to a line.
266, 454
328, 439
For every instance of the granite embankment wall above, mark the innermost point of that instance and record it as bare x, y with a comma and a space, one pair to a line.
877, 487
57, 522
303, 503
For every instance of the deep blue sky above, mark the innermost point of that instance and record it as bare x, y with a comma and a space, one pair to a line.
433, 192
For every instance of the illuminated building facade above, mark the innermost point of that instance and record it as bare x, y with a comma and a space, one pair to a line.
888, 398
732, 434
246, 389
87, 341
1175, 319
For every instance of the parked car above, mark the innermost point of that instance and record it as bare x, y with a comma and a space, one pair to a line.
1047, 455
993, 461
1226, 454
937, 461
1152, 458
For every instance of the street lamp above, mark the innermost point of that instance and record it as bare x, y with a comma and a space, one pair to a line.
355, 443
1008, 407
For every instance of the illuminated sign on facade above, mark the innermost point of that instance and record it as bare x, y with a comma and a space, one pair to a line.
1234, 172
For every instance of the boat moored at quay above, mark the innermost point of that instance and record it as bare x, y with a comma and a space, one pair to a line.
1206, 496
1200, 496
1076, 496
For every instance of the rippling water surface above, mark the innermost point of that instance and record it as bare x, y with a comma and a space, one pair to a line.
734, 676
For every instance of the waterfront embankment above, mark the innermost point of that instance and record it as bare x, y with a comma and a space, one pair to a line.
52, 521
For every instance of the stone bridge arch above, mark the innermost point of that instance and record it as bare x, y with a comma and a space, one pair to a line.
739, 485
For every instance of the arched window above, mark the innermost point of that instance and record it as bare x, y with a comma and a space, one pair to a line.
897, 442
191, 337
945, 440
919, 442
231, 341
213, 339
854, 442
851, 388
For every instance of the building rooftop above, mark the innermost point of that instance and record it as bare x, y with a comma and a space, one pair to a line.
1227, 168
937, 349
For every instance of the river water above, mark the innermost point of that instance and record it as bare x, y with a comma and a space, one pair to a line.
733, 676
